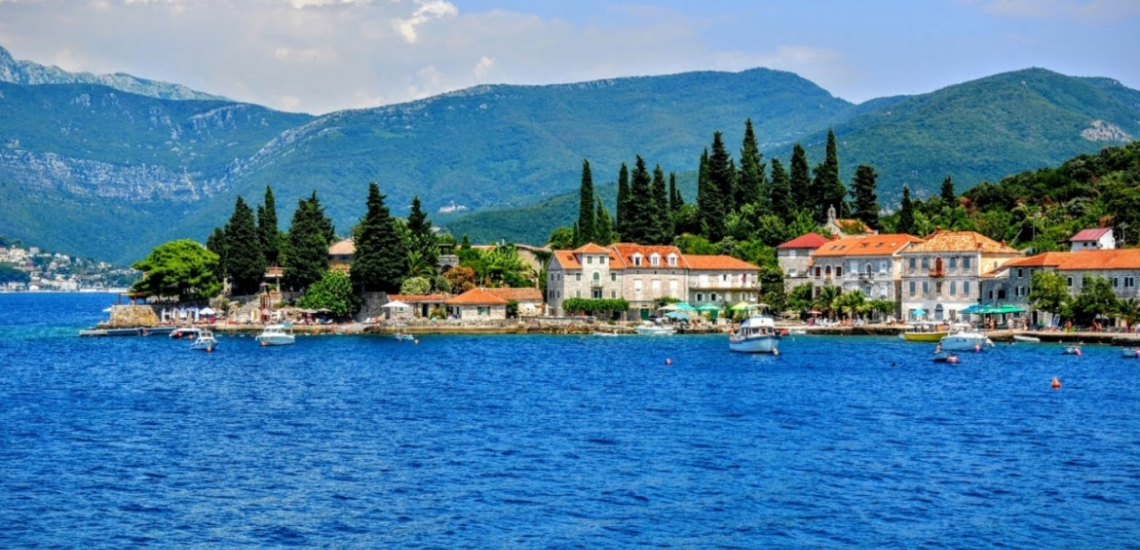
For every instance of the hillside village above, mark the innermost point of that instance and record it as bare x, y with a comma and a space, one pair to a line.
28, 269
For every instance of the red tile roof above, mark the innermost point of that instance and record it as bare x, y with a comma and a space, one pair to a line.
416, 298
569, 259
807, 240
866, 245
475, 296
1085, 260
343, 248
516, 294
962, 241
625, 252
591, 248
1090, 234
719, 263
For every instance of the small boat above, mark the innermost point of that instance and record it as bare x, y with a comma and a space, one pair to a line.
606, 333
1130, 353
1071, 350
963, 337
945, 356
797, 331
185, 332
757, 334
923, 332
205, 341
404, 336
649, 328
1023, 338
276, 335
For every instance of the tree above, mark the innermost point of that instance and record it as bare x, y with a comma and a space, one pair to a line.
562, 239
306, 257
905, 223
245, 264
639, 226
586, 213
751, 187
800, 180
181, 268
623, 198
216, 243
420, 237
660, 219
828, 189
948, 195
415, 286
827, 300
780, 197
461, 278
1048, 291
380, 253
333, 291
9, 274
603, 225
1095, 299
675, 199
866, 201
708, 197
267, 232
722, 177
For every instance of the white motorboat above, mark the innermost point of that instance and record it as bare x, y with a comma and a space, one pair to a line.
276, 335
964, 337
757, 334
649, 328
188, 333
1023, 338
404, 336
1071, 350
205, 341
1130, 353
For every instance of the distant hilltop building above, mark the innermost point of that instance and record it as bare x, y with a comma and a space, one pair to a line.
1093, 239
450, 208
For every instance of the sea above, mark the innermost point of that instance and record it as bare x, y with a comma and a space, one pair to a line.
538, 441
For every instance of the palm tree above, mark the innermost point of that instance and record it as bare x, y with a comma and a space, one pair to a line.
851, 301
826, 300
418, 265
1128, 310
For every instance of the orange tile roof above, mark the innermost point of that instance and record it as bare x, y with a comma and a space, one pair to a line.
720, 262
1084, 260
1090, 234
475, 297
866, 245
416, 298
1051, 259
625, 252
591, 248
962, 241
343, 248
569, 259
807, 240
516, 294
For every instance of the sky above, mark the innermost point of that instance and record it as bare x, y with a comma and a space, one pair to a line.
318, 56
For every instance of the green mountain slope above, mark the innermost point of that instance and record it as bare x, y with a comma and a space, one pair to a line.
983, 130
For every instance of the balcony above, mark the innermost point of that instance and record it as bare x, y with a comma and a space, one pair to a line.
937, 273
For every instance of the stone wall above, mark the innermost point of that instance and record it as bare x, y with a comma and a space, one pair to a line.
130, 316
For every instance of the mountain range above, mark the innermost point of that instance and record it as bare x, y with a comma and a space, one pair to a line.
109, 168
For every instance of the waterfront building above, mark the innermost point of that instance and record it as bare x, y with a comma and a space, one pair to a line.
650, 272
1093, 239
529, 300
721, 279
476, 304
942, 275
794, 257
1010, 283
340, 255
420, 305
870, 263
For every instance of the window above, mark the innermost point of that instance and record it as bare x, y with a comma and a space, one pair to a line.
577, 293
953, 262
817, 271
925, 287
883, 267
613, 277
792, 272
602, 260
792, 253
596, 294
1020, 273
672, 260
1115, 282
577, 276
953, 288
613, 294
655, 284
637, 260
713, 297
673, 285
966, 288
1129, 282
597, 277
838, 271
925, 264
700, 297
1069, 281
655, 260
637, 286
827, 271
912, 288
912, 264
938, 288
966, 262
589, 260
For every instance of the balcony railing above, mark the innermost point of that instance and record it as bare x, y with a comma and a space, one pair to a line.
937, 273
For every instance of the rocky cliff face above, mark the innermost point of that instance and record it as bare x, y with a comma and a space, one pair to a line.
26, 72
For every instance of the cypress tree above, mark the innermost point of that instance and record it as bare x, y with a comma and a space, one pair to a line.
423, 239
948, 195
906, 213
661, 218
622, 222
245, 264
721, 176
586, 206
675, 200
378, 264
576, 236
216, 243
603, 225
640, 209
829, 190
866, 201
750, 188
800, 180
780, 193
267, 231
306, 255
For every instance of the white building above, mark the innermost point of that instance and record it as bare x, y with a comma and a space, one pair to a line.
1093, 239
943, 274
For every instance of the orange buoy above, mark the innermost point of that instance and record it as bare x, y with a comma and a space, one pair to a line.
1056, 383
415, 341
263, 344
775, 351
210, 350
668, 361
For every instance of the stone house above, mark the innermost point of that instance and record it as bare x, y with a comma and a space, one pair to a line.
870, 263
794, 257
340, 255
1092, 239
420, 305
589, 271
943, 274
721, 280
476, 305
529, 300
845, 227
650, 272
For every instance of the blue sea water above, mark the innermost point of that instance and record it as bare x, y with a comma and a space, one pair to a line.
554, 441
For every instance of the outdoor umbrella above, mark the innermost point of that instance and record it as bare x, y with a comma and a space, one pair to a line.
207, 311
677, 315
708, 307
972, 309
396, 303
1008, 309
669, 307
920, 311
682, 306
742, 306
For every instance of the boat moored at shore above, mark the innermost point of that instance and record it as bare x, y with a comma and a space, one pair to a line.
757, 334
276, 335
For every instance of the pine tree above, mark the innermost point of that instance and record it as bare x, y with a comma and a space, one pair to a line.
948, 195
751, 188
661, 218
866, 201
708, 195
586, 206
216, 243
829, 191
780, 193
306, 255
603, 225
722, 174
422, 239
906, 213
639, 227
379, 262
267, 231
675, 200
622, 222
245, 264
800, 180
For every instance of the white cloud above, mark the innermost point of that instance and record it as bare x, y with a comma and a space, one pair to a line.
426, 10
483, 66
